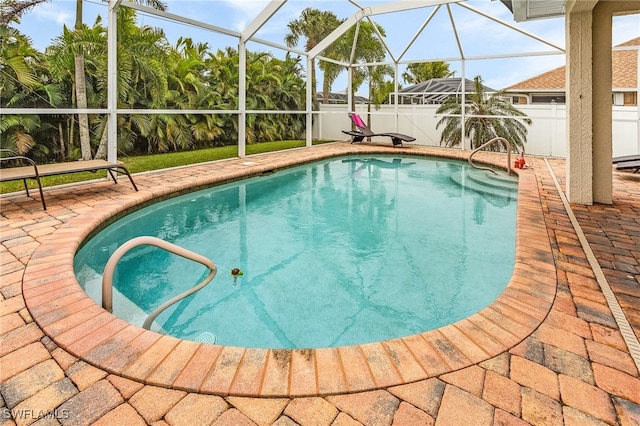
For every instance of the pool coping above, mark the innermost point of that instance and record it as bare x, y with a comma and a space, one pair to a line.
80, 326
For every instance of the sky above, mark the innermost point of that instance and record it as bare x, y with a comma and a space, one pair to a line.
478, 35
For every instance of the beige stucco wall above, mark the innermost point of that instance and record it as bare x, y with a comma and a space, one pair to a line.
579, 101
589, 130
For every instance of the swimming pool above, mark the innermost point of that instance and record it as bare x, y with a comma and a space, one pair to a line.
339, 252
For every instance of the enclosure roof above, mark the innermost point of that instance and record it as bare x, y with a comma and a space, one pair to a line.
438, 89
443, 20
341, 98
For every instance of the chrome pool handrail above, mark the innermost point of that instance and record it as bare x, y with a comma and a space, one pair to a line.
107, 276
496, 139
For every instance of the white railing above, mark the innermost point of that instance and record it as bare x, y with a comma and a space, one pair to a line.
491, 141
107, 277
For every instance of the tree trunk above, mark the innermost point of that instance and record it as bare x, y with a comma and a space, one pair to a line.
353, 93
369, 104
81, 102
314, 97
369, 107
326, 89
71, 130
81, 92
63, 148
101, 153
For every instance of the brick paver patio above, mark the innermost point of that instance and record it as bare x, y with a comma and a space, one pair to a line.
547, 351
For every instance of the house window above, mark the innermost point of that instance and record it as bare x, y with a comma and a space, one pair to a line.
630, 98
618, 99
547, 99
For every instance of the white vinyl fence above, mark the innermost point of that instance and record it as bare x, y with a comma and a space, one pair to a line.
547, 134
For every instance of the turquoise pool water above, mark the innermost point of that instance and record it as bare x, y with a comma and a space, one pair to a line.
338, 252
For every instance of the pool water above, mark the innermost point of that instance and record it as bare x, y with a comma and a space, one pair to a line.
338, 252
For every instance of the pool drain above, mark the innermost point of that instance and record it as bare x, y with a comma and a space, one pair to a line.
207, 337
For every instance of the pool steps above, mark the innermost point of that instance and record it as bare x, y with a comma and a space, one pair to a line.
484, 182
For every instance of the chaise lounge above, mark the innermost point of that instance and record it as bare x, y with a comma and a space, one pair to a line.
628, 162
363, 131
34, 171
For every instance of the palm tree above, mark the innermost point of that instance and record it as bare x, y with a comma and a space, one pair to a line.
23, 84
221, 76
188, 89
81, 90
419, 72
62, 59
143, 68
479, 125
379, 86
141, 78
12, 10
369, 49
315, 25
330, 73
80, 78
16, 62
272, 84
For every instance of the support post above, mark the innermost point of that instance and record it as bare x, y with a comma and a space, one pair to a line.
112, 82
242, 99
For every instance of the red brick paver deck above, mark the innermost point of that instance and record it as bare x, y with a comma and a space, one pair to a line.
547, 351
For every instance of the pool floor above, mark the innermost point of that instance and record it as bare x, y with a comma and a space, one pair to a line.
339, 252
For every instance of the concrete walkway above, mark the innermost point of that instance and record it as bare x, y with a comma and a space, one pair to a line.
551, 350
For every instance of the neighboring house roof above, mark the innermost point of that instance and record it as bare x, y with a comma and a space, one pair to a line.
437, 90
624, 67
551, 80
338, 97
625, 70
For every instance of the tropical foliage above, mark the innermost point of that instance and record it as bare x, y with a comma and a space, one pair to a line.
314, 25
370, 49
360, 46
488, 116
12, 10
151, 74
424, 71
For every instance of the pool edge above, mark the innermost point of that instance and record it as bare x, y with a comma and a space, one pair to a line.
78, 325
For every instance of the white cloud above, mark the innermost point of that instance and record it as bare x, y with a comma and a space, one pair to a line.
49, 12
521, 69
244, 11
625, 28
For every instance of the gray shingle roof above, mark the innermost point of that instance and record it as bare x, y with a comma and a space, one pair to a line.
436, 90
624, 67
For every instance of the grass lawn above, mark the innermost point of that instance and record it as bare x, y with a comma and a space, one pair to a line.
145, 163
